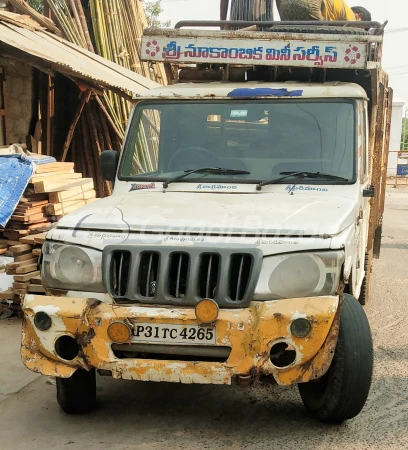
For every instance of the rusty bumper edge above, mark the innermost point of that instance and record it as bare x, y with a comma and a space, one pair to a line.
249, 332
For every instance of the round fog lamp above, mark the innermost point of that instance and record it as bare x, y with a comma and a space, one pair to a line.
301, 328
119, 332
42, 321
206, 311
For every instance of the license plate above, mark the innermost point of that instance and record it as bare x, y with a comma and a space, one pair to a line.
153, 333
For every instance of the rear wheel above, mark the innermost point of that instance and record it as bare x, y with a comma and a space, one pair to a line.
77, 395
342, 393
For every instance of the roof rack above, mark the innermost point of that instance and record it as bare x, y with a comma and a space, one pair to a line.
319, 45
271, 24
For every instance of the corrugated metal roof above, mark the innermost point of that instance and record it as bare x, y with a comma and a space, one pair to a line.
69, 59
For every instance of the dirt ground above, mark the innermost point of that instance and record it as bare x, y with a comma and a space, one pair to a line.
159, 416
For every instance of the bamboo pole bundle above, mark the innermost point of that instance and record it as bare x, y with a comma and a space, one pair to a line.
115, 33
159, 70
84, 25
126, 22
66, 22
117, 28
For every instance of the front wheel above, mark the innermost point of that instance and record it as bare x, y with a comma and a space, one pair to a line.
342, 393
77, 394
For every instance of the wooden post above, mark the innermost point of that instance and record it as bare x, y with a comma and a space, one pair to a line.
96, 152
106, 132
49, 124
3, 110
47, 10
87, 149
83, 99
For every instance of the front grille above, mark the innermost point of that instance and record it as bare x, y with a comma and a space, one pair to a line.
166, 275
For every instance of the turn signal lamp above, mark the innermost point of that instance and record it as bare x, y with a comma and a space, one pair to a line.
119, 332
207, 311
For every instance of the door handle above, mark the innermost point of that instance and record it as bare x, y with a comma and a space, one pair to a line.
369, 192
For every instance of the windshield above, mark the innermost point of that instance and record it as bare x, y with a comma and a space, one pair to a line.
264, 138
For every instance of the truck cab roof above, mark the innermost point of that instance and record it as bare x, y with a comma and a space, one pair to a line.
255, 89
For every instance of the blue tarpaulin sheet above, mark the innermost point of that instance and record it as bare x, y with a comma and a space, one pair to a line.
37, 160
15, 173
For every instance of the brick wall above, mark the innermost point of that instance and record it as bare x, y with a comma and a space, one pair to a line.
19, 99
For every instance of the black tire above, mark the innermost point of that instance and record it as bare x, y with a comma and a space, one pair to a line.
342, 393
77, 395
317, 30
365, 287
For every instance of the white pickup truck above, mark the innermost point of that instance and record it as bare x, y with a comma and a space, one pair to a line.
237, 244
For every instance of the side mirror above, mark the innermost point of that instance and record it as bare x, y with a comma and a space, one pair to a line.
369, 192
109, 164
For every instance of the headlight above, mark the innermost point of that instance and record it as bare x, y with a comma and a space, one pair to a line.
70, 267
299, 275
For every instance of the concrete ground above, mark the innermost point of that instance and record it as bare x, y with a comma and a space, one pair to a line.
158, 416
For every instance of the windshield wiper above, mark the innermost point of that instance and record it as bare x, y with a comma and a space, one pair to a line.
214, 170
301, 176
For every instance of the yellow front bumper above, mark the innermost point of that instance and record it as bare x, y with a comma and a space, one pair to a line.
249, 332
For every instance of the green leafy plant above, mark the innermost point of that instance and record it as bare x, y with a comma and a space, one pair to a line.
38, 5
153, 10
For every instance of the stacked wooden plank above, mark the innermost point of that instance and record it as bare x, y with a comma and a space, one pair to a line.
25, 271
29, 216
54, 191
3, 248
66, 191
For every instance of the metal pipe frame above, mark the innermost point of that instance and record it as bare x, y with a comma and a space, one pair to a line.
260, 24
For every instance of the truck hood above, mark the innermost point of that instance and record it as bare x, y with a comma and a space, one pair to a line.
261, 214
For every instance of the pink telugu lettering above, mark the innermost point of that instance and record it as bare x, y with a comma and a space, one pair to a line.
319, 55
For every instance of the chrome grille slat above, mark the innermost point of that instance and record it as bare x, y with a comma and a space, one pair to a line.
207, 285
174, 276
239, 278
115, 282
122, 277
119, 277
178, 276
148, 279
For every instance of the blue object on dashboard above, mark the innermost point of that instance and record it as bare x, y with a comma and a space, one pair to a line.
264, 92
